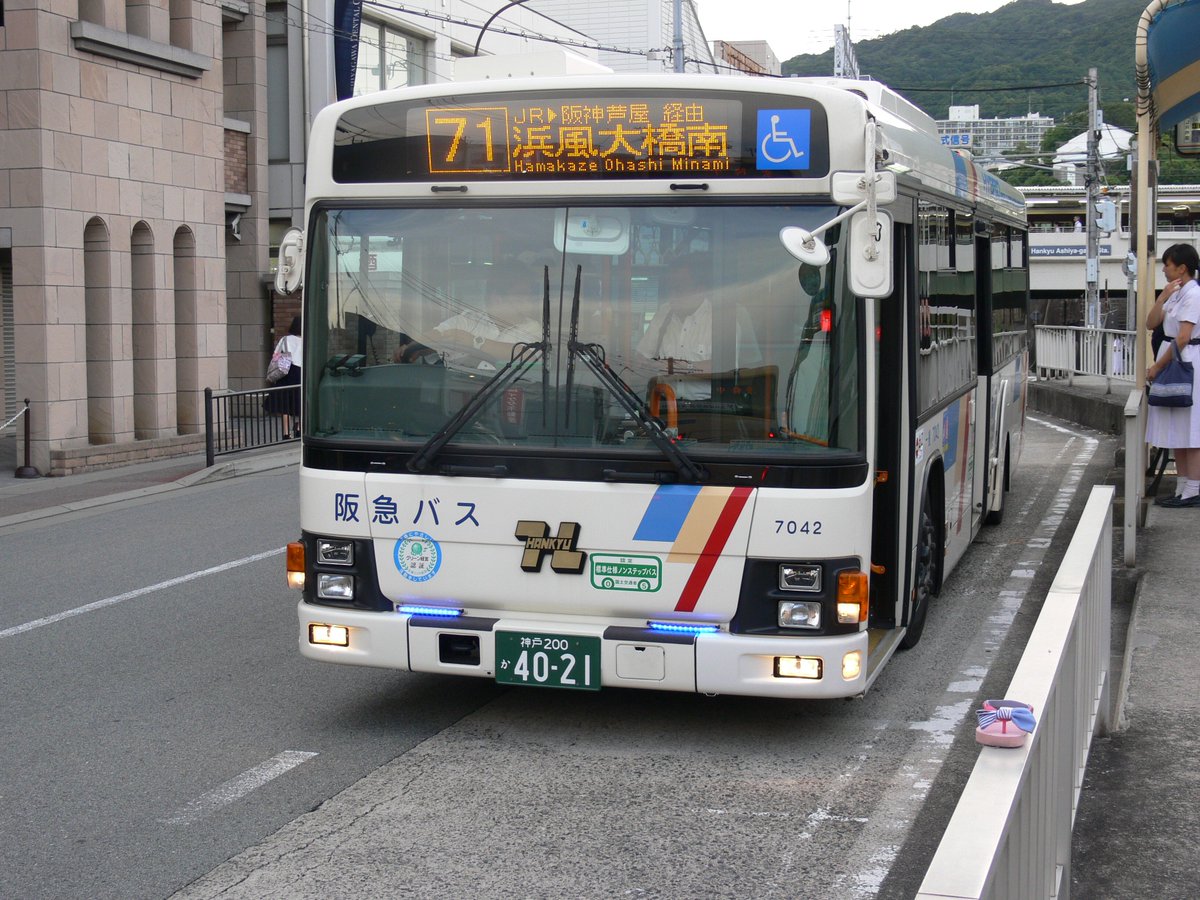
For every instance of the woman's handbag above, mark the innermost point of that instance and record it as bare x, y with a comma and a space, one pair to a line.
280, 364
1173, 385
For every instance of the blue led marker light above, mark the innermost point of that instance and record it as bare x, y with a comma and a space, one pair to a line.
682, 628
442, 611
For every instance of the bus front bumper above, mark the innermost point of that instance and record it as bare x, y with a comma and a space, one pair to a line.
708, 663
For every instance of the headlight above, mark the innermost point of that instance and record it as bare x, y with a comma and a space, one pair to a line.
799, 614
335, 553
804, 577
335, 587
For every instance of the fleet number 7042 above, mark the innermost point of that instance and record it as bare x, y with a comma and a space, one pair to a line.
792, 526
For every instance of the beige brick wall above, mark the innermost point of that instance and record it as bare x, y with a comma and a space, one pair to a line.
236, 180
87, 140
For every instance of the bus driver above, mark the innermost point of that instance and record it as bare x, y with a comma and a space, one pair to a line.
679, 339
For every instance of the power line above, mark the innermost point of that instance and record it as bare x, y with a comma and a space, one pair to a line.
985, 90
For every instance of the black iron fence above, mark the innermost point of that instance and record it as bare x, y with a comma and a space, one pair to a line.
240, 420
27, 470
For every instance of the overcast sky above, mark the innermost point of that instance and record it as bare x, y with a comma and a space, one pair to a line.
806, 26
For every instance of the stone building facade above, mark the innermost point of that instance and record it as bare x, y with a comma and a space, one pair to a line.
126, 278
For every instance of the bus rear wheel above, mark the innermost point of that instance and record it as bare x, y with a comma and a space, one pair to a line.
925, 580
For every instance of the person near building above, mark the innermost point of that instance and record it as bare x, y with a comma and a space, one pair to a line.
285, 399
1177, 309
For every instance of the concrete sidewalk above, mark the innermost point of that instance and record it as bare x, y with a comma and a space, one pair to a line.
1138, 822
28, 499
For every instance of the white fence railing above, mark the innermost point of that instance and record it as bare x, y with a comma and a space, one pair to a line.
1010, 835
1065, 351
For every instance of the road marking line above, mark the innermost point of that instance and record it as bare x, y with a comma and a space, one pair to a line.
129, 595
236, 788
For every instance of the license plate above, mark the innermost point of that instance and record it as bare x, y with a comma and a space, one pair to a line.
548, 660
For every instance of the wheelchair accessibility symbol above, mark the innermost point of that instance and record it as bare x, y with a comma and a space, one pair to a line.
783, 138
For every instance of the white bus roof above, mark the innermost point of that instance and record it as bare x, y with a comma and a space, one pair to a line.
909, 137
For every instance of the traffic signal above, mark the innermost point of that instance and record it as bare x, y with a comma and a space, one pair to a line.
1106, 216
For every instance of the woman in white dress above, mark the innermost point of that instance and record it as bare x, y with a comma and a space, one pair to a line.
1178, 428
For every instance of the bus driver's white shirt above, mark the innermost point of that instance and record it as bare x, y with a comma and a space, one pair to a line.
689, 339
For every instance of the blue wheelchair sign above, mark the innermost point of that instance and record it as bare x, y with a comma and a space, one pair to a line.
783, 138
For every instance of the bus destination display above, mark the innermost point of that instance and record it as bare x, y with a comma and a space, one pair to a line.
563, 135
613, 137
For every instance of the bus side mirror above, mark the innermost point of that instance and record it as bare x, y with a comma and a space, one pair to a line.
870, 254
290, 271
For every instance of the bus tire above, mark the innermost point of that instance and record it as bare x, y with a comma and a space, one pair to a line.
996, 516
925, 579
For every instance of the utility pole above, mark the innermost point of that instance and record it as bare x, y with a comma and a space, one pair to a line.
678, 35
1092, 183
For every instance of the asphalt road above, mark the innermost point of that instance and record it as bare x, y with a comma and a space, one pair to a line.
158, 721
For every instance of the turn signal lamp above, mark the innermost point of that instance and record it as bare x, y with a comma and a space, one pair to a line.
852, 595
295, 565
798, 667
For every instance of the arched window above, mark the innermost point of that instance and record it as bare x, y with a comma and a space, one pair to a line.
189, 392
108, 412
148, 395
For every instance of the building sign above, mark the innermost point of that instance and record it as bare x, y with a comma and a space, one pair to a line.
1059, 251
610, 134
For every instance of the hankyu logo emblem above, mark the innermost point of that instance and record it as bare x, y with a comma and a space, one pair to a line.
564, 557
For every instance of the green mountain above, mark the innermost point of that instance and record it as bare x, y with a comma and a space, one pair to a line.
1022, 45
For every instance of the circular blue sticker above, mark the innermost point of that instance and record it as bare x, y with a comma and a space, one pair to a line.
418, 556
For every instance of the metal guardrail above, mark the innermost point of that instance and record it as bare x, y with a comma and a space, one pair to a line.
1066, 351
237, 420
1135, 467
1010, 835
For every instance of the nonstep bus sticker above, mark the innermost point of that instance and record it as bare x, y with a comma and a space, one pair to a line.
611, 572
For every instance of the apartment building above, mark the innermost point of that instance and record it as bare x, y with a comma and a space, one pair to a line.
991, 138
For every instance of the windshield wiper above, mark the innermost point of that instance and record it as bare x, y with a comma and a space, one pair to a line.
594, 358
523, 356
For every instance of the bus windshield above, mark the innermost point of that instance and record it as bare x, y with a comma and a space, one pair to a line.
599, 330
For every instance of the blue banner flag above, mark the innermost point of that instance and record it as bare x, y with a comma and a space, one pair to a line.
347, 17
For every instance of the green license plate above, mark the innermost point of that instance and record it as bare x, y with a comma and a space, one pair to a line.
548, 660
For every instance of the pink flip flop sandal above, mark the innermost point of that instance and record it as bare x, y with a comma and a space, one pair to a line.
1004, 723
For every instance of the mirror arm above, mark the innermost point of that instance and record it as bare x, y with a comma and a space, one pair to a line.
869, 178
807, 240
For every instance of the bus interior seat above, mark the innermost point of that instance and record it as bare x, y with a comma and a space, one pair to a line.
741, 404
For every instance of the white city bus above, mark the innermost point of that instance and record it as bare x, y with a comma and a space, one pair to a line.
689, 383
